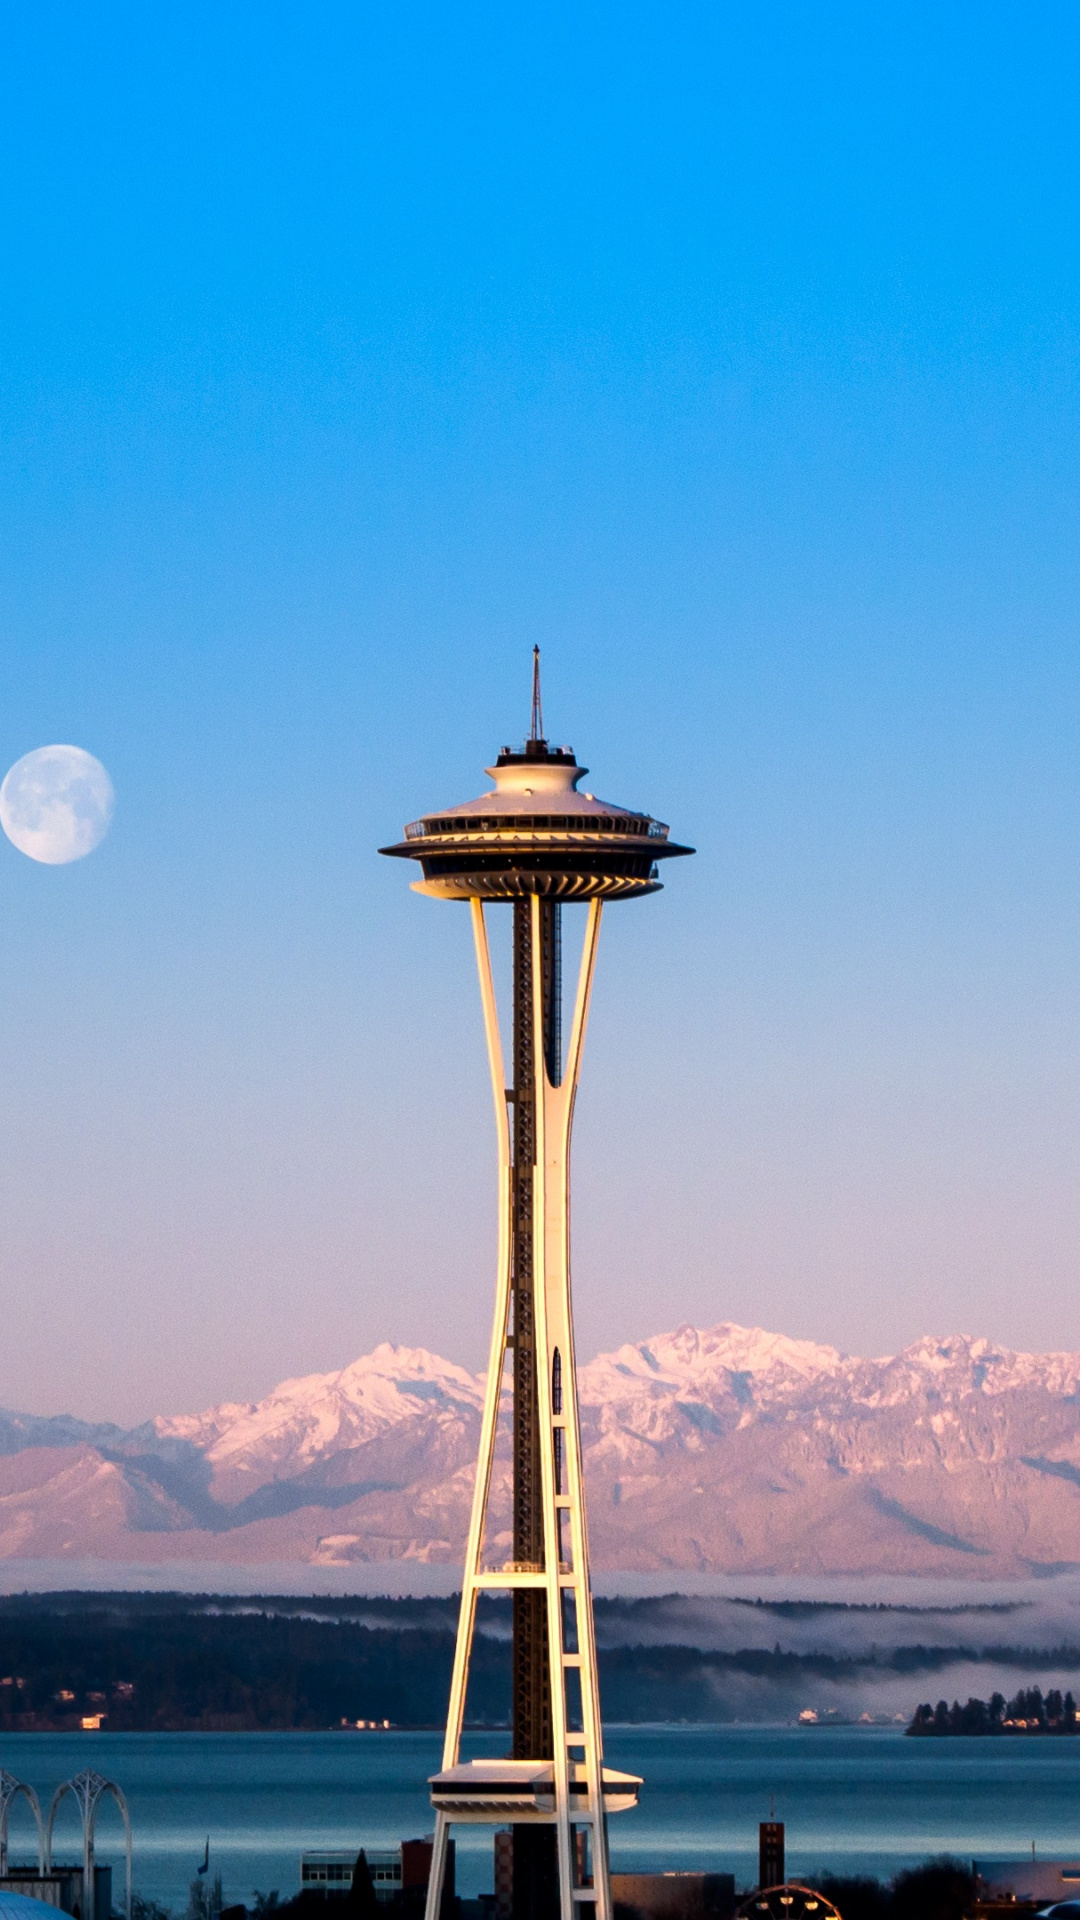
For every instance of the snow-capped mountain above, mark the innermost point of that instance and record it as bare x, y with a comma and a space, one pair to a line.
306, 1422
730, 1450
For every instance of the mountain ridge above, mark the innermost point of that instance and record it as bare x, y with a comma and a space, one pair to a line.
724, 1449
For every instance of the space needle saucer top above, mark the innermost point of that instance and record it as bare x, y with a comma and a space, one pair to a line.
536, 833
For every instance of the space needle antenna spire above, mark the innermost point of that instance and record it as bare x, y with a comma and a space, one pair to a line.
531, 845
536, 731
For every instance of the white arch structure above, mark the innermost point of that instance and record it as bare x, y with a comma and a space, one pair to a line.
10, 1789
89, 1789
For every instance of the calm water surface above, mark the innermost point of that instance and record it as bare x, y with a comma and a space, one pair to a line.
863, 1799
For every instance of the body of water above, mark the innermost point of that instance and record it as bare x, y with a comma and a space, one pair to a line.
853, 1799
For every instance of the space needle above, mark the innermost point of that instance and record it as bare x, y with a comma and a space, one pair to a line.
533, 842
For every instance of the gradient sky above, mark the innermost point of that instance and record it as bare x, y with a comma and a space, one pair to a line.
730, 352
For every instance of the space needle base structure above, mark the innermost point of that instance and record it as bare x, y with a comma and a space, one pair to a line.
534, 843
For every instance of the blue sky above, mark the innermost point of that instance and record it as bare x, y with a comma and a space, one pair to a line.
730, 354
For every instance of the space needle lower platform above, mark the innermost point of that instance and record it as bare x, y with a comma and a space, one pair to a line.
533, 843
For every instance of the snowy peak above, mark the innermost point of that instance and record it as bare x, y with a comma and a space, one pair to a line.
960, 1365
317, 1414
709, 1360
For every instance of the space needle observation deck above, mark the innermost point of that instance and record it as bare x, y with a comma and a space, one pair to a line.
536, 835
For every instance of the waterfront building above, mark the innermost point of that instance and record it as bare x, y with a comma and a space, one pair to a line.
394, 1870
1027, 1877
330, 1870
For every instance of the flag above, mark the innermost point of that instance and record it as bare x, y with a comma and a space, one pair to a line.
205, 1868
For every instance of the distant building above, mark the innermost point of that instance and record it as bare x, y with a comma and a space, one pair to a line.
504, 1874
392, 1869
770, 1853
1027, 1878
331, 1870
61, 1887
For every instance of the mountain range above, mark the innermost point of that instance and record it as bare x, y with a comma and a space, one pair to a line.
728, 1450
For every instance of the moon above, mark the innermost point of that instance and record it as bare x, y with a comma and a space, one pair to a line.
56, 804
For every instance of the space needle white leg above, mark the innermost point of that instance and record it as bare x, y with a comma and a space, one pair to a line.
437, 1875
552, 1568
565, 1554
489, 1418
592, 1738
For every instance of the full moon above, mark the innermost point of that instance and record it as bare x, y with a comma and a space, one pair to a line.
56, 804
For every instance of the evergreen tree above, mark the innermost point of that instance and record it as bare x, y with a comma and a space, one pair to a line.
1038, 1707
362, 1902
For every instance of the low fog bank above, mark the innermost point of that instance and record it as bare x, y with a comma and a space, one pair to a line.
761, 1650
1038, 1615
883, 1698
858, 1648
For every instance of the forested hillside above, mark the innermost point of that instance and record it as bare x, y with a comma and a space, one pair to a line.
171, 1661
